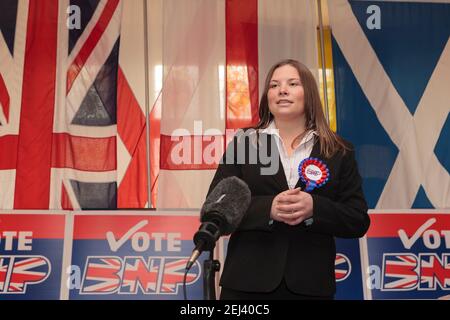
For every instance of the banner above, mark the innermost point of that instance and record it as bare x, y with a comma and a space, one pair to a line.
31, 254
137, 255
408, 255
134, 257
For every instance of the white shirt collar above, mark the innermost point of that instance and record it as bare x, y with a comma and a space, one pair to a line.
272, 129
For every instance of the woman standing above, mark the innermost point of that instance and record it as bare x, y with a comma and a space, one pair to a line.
284, 247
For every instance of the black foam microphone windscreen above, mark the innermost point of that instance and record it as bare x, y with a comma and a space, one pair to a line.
230, 199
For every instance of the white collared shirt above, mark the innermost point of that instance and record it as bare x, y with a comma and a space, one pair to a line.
301, 152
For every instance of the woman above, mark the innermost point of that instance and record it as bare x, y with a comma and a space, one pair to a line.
284, 247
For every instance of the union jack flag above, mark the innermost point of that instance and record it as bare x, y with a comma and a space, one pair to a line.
400, 271
16, 272
342, 267
58, 102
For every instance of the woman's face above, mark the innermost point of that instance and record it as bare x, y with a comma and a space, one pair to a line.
285, 95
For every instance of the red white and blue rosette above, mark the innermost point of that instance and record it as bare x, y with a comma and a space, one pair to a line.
314, 173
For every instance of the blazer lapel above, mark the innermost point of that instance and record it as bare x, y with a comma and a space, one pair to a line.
279, 177
315, 153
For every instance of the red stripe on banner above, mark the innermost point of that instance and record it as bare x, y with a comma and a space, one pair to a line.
242, 63
83, 153
38, 99
91, 42
8, 153
388, 225
43, 226
96, 226
191, 152
4, 98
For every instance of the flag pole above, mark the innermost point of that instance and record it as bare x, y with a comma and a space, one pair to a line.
147, 107
322, 56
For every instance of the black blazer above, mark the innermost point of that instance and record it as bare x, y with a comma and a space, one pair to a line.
260, 254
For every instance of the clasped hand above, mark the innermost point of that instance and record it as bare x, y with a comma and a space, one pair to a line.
292, 207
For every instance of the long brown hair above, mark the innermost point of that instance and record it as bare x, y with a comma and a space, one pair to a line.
330, 142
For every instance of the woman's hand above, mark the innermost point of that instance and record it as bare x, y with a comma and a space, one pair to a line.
292, 207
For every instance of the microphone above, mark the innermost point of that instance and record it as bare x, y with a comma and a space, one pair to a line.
220, 215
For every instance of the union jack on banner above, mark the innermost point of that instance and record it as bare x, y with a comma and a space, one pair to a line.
17, 272
102, 275
400, 271
434, 272
138, 275
3, 272
174, 269
158, 275
342, 267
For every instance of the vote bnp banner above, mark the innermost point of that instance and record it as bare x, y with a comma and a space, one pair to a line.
133, 257
408, 255
31, 252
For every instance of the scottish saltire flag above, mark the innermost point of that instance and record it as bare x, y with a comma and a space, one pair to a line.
134, 257
391, 67
31, 256
408, 258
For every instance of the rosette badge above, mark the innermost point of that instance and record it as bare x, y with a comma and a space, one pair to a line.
314, 173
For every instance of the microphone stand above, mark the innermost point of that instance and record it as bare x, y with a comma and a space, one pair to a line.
210, 267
